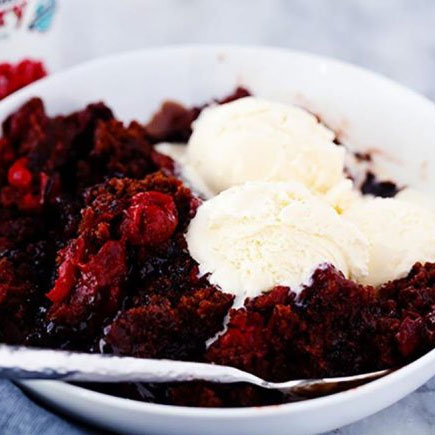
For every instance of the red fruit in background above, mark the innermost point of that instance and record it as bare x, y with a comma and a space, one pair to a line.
14, 77
151, 219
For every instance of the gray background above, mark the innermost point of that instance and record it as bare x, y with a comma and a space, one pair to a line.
392, 37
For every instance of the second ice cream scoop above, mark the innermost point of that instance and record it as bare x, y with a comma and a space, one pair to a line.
400, 233
258, 235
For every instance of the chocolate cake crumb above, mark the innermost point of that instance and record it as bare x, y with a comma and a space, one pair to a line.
384, 189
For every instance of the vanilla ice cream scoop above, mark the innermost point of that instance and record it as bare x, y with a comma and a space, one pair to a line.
255, 236
416, 197
400, 233
252, 139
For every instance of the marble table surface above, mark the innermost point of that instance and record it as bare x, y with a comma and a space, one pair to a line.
393, 37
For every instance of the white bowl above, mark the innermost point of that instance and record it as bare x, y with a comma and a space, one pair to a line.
367, 110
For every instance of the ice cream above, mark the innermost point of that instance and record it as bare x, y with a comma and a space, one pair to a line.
255, 236
252, 139
416, 197
342, 195
400, 233
284, 205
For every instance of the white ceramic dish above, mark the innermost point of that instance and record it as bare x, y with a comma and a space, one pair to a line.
367, 110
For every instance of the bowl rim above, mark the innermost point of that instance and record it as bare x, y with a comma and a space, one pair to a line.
210, 47
250, 411
336, 399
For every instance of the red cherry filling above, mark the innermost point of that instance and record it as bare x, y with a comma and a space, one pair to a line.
67, 271
19, 176
150, 220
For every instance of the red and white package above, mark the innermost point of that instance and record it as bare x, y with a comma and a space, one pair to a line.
29, 42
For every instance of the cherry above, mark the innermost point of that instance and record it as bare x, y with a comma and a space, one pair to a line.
14, 77
150, 220
30, 202
107, 265
67, 273
19, 176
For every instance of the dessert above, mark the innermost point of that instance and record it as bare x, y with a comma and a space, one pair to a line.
143, 240
251, 227
396, 229
252, 139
